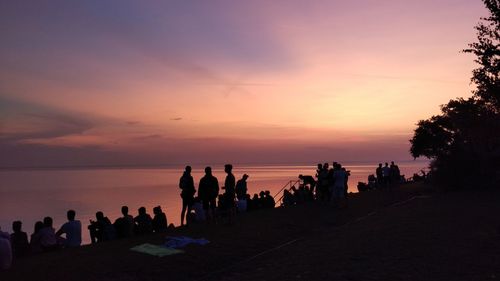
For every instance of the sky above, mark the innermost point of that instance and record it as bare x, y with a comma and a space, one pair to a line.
171, 82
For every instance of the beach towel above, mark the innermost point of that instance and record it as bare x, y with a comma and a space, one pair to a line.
181, 241
155, 250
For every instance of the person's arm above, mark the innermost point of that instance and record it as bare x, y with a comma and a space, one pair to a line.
61, 230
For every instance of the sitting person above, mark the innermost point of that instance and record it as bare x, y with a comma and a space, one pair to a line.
72, 229
19, 240
125, 225
159, 220
5, 251
35, 240
143, 222
268, 201
102, 229
288, 198
48, 239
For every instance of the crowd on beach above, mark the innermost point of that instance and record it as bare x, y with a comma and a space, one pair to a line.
206, 205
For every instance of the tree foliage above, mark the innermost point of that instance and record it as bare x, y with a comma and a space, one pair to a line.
464, 140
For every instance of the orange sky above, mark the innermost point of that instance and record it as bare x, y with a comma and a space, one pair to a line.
259, 81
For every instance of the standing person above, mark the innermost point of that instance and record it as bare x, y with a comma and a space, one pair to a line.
322, 190
395, 173
72, 229
186, 184
241, 188
339, 181
386, 175
229, 194
378, 172
208, 190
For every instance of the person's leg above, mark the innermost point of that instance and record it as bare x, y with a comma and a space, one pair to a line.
183, 212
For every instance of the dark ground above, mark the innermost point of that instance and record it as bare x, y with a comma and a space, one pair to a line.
413, 233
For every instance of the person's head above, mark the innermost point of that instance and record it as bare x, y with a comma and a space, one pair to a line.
142, 211
267, 192
188, 169
38, 225
380, 165
320, 166
124, 210
244, 177
47, 221
301, 177
208, 171
71, 215
157, 210
228, 168
99, 215
16, 226
261, 194
386, 164
392, 163
325, 166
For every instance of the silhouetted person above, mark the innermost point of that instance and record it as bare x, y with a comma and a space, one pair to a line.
19, 240
322, 191
395, 173
268, 200
159, 220
241, 188
72, 229
125, 225
386, 174
48, 237
143, 222
229, 193
101, 229
339, 181
186, 184
5, 250
380, 176
308, 180
208, 191
35, 239
288, 198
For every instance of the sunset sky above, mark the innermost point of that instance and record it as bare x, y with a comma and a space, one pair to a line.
172, 82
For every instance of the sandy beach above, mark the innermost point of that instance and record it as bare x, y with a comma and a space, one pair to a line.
413, 233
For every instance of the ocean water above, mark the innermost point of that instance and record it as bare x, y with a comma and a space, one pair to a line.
30, 195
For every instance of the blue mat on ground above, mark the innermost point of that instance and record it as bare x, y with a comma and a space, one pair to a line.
181, 241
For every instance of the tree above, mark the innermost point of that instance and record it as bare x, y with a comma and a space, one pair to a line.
464, 140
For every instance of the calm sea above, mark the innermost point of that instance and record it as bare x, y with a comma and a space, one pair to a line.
30, 195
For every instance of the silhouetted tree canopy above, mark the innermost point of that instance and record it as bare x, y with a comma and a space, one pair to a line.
464, 140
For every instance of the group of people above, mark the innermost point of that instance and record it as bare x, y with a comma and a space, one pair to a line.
45, 238
127, 226
330, 185
385, 177
209, 204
